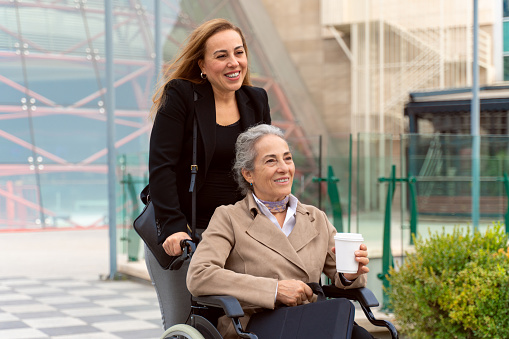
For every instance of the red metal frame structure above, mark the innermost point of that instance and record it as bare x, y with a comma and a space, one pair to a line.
22, 204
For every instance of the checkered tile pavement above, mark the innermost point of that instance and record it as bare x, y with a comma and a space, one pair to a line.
75, 309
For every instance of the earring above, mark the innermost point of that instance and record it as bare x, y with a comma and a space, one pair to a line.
251, 184
203, 76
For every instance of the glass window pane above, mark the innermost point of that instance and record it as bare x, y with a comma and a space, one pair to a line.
506, 36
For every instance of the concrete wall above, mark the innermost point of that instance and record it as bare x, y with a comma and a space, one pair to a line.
321, 63
326, 69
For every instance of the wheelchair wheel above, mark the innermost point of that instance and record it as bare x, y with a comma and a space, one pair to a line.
182, 331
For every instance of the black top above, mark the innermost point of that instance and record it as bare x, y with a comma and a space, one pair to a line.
171, 143
220, 188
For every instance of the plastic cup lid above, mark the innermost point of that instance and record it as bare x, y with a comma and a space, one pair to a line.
349, 236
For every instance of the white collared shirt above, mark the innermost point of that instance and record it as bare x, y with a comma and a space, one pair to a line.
290, 220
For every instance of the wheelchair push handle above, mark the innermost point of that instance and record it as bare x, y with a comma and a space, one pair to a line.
187, 249
185, 244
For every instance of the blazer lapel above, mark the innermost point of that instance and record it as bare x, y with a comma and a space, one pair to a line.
264, 231
247, 114
304, 230
205, 110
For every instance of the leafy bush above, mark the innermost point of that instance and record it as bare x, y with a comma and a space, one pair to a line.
454, 286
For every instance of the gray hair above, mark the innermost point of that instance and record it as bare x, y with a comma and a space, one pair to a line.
245, 152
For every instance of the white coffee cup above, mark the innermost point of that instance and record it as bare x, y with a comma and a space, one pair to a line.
346, 245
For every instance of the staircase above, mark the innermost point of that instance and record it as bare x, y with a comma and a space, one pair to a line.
413, 60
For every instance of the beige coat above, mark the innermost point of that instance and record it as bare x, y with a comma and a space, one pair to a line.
244, 254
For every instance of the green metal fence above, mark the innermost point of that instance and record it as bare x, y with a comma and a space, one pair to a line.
384, 186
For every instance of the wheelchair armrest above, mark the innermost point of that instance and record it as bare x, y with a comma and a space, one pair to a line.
229, 304
363, 295
366, 299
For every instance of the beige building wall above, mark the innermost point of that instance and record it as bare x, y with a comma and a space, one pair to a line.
322, 64
409, 13
427, 45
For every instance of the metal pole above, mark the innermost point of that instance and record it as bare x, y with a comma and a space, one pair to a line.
381, 62
387, 259
506, 217
442, 45
110, 132
475, 120
367, 110
357, 183
320, 172
350, 182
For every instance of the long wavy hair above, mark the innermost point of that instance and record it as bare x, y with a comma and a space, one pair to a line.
185, 65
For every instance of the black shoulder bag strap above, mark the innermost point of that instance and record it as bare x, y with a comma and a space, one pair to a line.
194, 171
192, 188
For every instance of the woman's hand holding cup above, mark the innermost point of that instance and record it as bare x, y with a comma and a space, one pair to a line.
360, 257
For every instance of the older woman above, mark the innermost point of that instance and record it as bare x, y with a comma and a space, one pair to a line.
265, 248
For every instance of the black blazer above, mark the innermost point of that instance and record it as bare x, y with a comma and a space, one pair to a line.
171, 145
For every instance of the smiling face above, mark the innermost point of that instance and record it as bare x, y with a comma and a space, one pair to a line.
224, 62
273, 172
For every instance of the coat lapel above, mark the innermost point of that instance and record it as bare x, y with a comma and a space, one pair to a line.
247, 114
205, 110
265, 232
304, 230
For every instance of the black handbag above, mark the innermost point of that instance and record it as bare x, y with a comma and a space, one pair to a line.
324, 319
145, 226
145, 223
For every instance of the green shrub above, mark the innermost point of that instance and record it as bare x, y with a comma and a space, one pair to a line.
454, 286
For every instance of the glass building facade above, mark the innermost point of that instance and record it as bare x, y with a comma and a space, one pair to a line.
52, 87
53, 129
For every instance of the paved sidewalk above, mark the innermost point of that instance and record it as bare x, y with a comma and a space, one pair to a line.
70, 308
50, 287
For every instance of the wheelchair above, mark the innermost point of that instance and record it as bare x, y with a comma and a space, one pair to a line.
199, 326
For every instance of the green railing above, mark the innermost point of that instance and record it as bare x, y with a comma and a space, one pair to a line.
383, 186
334, 196
133, 178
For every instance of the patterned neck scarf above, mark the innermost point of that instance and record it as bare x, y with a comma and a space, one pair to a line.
276, 206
